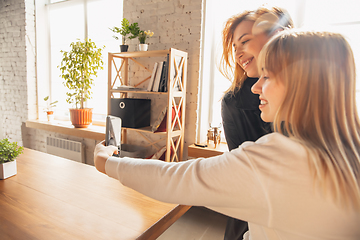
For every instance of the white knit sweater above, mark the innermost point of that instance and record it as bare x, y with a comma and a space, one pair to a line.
266, 183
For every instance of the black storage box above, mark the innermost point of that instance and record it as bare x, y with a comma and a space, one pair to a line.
134, 113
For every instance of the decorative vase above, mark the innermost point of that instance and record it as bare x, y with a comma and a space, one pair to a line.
50, 115
8, 169
81, 118
124, 48
143, 46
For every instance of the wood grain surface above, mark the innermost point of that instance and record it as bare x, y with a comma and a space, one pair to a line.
55, 198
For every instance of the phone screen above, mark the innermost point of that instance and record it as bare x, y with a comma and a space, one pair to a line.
113, 131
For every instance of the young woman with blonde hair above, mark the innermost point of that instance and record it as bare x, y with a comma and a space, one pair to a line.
244, 35
318, 109
300, 182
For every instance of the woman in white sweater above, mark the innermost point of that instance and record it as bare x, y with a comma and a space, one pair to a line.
300, 182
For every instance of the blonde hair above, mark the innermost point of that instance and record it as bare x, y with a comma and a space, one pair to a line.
228, 66
319, 108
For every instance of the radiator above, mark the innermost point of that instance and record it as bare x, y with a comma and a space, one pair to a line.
65, 148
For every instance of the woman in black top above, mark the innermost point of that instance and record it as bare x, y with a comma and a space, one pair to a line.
244, 35
241, 116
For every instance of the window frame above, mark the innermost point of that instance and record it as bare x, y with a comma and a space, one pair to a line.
43, 55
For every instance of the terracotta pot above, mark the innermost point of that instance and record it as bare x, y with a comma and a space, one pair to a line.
81, 118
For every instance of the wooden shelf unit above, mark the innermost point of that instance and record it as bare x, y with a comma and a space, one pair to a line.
176, 94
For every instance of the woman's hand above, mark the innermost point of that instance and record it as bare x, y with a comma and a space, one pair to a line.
101, 154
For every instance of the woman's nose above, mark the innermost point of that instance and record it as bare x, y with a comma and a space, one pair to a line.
239, 52
257, 87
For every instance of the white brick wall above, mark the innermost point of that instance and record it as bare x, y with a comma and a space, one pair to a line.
176, 24
17, 66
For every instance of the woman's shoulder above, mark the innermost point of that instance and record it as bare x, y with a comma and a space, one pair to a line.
273, 153
274, 145
278, 140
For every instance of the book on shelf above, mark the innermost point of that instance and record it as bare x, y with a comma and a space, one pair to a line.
159, 120
130, 88
164, 76
156, 85
161, 83
152, 78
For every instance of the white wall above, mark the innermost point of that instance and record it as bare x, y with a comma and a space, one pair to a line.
17, 67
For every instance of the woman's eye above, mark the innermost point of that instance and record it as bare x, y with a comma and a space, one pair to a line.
243, 42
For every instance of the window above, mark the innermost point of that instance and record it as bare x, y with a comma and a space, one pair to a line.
58, 24
339, 16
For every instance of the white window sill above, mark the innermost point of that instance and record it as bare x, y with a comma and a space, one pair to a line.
64, 127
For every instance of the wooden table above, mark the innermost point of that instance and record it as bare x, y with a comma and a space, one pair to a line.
55, 198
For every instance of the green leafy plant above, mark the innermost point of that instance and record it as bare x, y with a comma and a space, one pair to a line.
9, 150
143, 35
49, 105
78, 67
126, 29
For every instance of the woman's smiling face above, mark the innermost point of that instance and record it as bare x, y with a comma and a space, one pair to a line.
271, 94
247, 47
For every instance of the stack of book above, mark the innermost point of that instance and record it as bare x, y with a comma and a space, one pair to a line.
159, 77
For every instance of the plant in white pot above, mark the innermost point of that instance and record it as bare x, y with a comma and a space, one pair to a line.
126, 29
49, 105
143, 35
9, 151
78, 68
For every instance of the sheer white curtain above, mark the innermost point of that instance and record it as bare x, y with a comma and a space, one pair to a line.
333, 15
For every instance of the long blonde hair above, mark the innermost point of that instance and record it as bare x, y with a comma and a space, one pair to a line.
228, 67
319, 108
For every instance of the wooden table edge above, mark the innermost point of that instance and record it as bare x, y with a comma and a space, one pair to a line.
164, 223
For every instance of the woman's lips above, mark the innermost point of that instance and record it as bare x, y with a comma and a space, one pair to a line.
246, 63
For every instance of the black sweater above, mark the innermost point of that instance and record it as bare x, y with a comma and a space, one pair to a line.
241, 116
241, 122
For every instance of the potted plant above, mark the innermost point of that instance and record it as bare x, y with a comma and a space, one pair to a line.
143, 35
48, 109
126, 29
8, 154
78, 67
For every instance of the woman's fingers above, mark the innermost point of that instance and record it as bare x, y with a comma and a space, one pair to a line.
109, 150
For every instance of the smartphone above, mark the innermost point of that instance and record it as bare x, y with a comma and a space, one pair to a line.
113, 132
